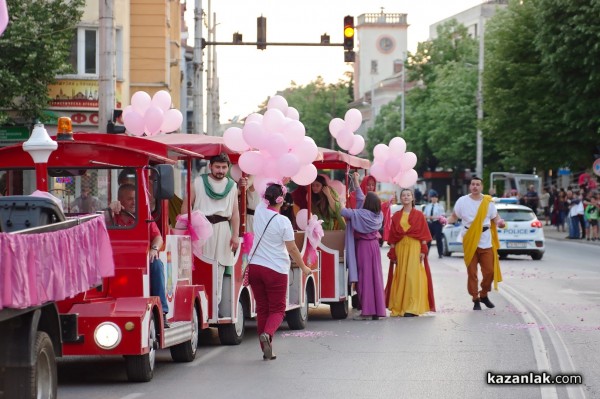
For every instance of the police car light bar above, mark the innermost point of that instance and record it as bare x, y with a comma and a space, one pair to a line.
505, 200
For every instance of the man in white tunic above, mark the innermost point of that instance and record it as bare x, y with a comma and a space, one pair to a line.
215, 195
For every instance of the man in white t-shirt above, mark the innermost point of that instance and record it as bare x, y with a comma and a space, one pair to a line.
477, 243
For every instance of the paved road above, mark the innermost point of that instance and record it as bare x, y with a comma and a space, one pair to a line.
546, 318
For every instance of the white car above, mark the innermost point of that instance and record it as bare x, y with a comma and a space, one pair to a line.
522, 235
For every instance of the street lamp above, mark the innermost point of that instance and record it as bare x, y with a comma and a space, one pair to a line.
40, 146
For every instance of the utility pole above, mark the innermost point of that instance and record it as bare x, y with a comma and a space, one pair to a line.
198, 84
209, 73
403, 95
106, 74
479, 144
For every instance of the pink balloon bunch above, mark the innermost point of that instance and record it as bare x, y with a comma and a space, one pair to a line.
393, 164
343, 131
151, 116
274, 145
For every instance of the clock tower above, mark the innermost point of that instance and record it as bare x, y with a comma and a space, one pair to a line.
382, 49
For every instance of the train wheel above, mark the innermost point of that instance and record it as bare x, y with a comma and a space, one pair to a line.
186, 351
233, 333
140, 368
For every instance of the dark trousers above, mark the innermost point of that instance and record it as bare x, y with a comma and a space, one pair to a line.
435, 228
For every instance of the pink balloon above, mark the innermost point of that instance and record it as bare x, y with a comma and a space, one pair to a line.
345, 139
277, 145
234, 140
336, 125
302, 219
278, 102
162, 100
408, 178
172, 119
292, 113
358, 145
273, 120
253, 134
134, 123
255, 117
141, 101
408, 161
381, 152
353, 119
397, 147
251, 162
235, 172
294, 132
392, 166
378, 171
270, 169
153, 119
288, 165
306, 151
127, 110
306, 175
260, 184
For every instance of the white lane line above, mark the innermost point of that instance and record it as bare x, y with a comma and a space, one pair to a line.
562, 352
542, 358
206, 357
133, 395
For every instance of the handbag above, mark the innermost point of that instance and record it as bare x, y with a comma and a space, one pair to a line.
246, 281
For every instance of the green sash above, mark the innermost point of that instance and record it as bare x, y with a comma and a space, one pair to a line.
211, 193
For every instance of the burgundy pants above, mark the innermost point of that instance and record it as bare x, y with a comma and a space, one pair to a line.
269, 288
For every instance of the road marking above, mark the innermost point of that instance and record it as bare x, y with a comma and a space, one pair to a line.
542, 357
206, 357
560, 348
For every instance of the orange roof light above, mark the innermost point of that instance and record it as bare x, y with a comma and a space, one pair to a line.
64, 129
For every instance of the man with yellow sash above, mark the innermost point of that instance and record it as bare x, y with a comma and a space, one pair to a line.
479, 236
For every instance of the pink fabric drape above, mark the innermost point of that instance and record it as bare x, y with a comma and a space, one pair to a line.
3, 16
37, 268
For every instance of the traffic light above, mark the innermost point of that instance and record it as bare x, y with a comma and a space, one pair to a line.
261, 33
348, 33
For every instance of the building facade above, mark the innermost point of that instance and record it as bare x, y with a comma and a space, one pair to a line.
147, 58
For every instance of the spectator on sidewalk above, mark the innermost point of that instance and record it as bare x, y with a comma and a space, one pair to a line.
545, 204
592, 214
573, 218
531, 198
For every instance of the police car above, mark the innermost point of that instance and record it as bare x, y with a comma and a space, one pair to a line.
522, 235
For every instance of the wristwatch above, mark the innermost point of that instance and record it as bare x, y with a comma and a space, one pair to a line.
154, 247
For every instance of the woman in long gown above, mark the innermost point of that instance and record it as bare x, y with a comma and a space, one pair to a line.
410, 292
363, 225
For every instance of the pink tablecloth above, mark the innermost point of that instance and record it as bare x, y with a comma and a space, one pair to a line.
37, 268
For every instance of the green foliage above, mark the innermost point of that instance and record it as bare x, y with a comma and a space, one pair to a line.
542, 86
318, 103
35, 48
440, 110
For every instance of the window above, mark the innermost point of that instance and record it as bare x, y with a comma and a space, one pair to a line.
516, 215
85, 52
374, 67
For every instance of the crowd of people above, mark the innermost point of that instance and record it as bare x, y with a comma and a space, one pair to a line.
574, 210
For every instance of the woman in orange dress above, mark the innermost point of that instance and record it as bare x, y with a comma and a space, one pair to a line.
409, 291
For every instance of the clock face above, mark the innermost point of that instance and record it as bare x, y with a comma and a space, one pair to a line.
386, 44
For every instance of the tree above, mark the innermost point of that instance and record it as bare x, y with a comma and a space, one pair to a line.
541, 84
440, 111
567, 39
35, 48
318, 103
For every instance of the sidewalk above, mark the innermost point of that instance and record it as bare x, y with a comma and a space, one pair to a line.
552, 233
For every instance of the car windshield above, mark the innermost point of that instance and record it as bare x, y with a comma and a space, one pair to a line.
516, 215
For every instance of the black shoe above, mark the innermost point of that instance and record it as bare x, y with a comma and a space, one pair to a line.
410, 315
486, 301
374, 317
441, 256
476, 304
166, 323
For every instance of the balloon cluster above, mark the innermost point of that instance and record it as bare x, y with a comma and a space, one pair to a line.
274, 145
393, 164
343, 131
151, 116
